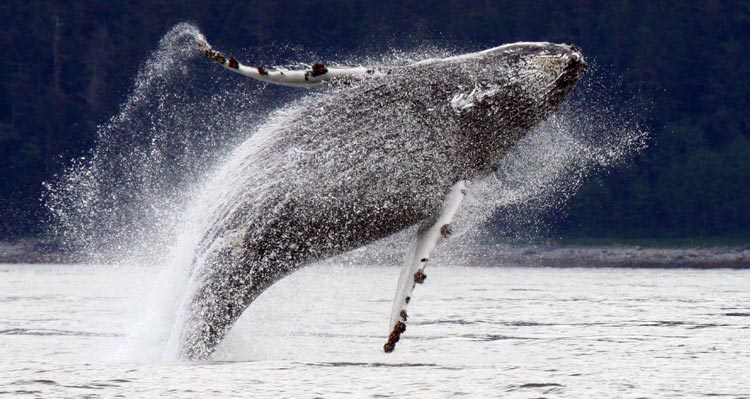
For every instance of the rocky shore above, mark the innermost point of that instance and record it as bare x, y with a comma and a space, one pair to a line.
37, 252
623, 256
607, 256
33, 251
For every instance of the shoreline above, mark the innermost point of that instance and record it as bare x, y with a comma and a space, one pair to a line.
474, 255
33, 251
615, 256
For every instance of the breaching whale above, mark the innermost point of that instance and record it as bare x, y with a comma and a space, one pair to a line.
376, 151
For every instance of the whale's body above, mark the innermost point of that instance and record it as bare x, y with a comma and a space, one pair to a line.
358, 162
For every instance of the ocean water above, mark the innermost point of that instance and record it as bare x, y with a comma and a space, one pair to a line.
512, 332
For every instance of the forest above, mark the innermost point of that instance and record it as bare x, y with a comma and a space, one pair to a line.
66, 67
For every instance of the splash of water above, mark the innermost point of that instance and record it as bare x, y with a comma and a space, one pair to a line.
168, 166
125, 199
137, 197
592, 133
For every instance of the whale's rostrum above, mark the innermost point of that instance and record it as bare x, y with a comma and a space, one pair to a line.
376, 151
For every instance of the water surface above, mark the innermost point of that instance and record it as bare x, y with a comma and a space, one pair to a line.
473, 331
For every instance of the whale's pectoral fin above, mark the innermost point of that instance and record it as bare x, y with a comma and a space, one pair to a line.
412, 273
317, 75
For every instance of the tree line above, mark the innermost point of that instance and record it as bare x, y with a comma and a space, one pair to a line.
66, 67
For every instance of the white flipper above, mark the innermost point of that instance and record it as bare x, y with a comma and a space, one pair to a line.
317, 76
428, 236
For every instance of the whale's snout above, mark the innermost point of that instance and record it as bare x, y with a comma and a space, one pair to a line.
577, 64
575, 69
559, 60
563, 66
576, 54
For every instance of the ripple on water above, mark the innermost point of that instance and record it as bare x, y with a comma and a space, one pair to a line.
52, 332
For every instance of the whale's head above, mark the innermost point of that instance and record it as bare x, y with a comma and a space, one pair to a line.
537, 75
505, 91
545, 72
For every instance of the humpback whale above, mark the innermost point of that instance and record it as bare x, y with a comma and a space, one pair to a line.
374, 152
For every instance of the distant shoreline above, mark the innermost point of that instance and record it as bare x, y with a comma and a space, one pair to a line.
479, 255
33, 251
616, 256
